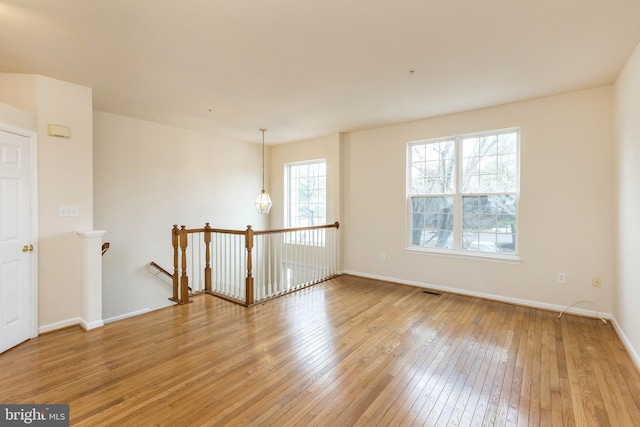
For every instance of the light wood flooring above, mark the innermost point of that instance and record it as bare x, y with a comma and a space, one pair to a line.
350, 351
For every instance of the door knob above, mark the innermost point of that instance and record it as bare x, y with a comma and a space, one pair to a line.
27, 248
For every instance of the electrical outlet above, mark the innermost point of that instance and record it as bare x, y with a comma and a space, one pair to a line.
383, 256
562, 278
596, 282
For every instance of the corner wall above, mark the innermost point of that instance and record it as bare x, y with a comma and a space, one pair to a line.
627, 291
65, 177
149, 177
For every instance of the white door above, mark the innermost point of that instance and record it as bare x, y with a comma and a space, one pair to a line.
15, 240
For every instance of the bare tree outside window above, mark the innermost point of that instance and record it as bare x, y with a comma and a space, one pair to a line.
432, 172
474, 178
306, 187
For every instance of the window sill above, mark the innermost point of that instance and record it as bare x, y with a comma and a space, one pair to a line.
476, 256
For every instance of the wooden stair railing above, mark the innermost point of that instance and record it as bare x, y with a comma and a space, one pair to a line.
105, 247
245, 260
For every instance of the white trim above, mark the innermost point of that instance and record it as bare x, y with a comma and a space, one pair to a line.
625, 341
34, 235
480, 133
59, 325
477, 256
501, 298
126, 315
90, 325
91, 233
307, 162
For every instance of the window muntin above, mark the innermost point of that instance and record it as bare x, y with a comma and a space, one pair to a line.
489, 223
489, 164
306, 190
433, 168
432, 222
463, 193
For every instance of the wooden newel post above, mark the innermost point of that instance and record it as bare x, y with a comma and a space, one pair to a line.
174, 242
184, 279
248, 241
207, 267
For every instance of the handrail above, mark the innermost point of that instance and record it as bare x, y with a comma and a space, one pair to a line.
214, 230
162, 270
105, 247
298, 258
312, 227
280, 230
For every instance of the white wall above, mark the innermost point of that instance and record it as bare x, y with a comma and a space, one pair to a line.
566, 210
326, 147
149, 177
627, 292
65, 176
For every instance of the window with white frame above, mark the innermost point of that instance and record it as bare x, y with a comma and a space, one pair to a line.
306, 193
463, 193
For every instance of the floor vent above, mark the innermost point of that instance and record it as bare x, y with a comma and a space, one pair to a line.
432, 293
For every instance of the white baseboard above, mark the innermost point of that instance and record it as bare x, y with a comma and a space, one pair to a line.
124, 316
58, 325
627, 344
501, 298
70, 322
87, 326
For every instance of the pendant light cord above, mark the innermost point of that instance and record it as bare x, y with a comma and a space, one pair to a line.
263, 131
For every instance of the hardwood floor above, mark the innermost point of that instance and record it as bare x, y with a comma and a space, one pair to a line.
350, 351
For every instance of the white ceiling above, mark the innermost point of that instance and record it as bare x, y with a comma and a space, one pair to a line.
305, 68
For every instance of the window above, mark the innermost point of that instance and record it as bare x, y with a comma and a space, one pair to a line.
306, 190
463, 193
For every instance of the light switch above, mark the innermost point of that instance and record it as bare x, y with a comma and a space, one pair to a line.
68, 210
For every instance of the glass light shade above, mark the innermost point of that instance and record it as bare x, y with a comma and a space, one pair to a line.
263, 202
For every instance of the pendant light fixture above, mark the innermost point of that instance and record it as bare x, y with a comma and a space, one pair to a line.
263, 201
